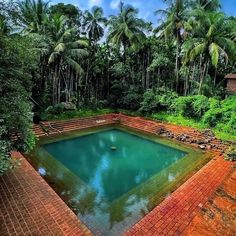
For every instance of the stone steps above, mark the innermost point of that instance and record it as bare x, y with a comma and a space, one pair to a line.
184, 134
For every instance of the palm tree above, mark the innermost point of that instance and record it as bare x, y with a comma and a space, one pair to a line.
4, 27
173, 27
93, 22
208, 5
33, 14
212, 40
66, 57
126, 29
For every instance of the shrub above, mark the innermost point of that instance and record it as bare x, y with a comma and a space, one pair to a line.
6, 162
200, 106
222, 115
166, 99
191, 106
102, 104
116, 94
132, 100
183, 106
149, 103
55, 110
159, 100
212, 117
58, 109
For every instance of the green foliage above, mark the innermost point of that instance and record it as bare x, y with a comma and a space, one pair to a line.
191, 106
149, 103
126, 29
184, 121
67, 10
55, 110
5, 149
194, 111
178, 120
6, 163
116, 94
93, 23
154, 101
53, 61
222, 115
120, 70
132, 99
17, 61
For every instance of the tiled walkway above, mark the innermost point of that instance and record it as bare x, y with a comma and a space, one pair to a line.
218, 216
174, 214
30, 207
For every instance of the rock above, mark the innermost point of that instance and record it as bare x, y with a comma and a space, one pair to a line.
160, 130
207, 140
208, 147
169, 134
182, 137
199, 142
208, 132
202, 146
69, 106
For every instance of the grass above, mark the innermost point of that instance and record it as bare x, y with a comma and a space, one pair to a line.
180, 120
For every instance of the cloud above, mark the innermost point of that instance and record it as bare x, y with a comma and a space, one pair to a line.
114, 4
95, 3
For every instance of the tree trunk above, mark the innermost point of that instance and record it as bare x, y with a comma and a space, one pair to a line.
204, 72
177, 62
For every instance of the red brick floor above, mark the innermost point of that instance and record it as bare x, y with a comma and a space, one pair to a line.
218, 215
29, 206
175, 213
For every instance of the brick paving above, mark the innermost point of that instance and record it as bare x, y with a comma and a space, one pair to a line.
138, 123
30, 207
174, 214
218, 216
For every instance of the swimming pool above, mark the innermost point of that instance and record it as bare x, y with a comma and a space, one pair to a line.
111, 177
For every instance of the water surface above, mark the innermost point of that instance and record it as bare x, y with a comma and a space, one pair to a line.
111, 178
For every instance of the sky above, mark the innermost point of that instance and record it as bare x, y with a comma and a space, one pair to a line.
146, 7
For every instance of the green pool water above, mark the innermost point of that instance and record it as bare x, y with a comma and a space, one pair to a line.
112, 177
113, 162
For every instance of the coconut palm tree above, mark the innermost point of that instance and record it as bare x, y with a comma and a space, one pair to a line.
66, 57
33, 14
212, 40
173, 27
208, 5
126, 29
93, 23
4, 27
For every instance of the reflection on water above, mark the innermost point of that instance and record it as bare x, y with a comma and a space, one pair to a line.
111, 173
42, 171
110, 190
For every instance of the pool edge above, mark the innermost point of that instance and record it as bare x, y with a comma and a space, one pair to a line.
145, 225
